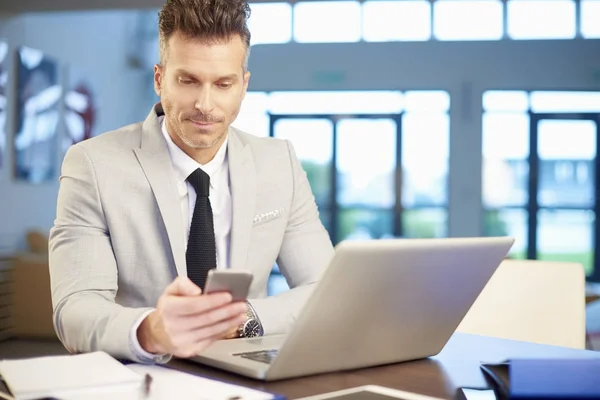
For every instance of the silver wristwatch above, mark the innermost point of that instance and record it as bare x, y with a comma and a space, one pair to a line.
252, 327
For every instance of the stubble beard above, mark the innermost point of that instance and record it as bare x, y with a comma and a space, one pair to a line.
197, 144
191, 142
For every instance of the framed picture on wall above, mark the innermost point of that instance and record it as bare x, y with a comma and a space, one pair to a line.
79, 109
3, 98
38, 116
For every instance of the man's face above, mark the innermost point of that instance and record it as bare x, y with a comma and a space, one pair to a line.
201, 87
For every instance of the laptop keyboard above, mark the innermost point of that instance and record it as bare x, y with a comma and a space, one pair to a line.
264, 356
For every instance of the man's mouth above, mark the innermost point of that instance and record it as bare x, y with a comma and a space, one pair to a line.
203, 124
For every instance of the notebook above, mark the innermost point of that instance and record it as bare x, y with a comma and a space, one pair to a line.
98, 376
66, 375
546, 379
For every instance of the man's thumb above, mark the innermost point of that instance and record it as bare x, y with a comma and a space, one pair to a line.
183, 286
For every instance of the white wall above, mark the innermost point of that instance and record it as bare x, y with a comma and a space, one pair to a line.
94, 43
465, 69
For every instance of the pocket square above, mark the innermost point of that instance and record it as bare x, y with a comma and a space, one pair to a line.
267, 216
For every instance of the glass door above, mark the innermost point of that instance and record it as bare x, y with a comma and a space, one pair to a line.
351, 164
377, 161
368, 189
563, 181
312, 139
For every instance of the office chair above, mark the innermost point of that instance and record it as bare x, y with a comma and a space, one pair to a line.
534, 301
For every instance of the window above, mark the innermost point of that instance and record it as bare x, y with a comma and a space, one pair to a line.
338, 102
548, 101
541, 19
366, 166
425, 154
253, 117
312, 139
425, 158
503, 101
468, 20
270, 23
367, 155
385, 21
389, 132
350, 21
552, 212
590, 19
314, 21
428, 101
366, 162
566, 235
505, 143
413, 20
565, 152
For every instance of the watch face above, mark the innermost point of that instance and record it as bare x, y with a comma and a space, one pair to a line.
252, 328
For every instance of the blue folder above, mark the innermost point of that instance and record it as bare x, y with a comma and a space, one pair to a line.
550, 379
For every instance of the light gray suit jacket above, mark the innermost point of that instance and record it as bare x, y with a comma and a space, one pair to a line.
118, 238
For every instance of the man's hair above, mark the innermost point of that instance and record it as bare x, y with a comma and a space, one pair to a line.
209, 21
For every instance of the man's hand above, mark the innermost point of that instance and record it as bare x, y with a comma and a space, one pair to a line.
186, 322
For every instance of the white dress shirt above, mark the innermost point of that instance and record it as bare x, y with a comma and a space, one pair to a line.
220, 201
220, 194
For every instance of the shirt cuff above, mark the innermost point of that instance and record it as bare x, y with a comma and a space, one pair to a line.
141, 354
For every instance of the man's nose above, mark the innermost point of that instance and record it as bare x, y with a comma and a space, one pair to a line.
205, 102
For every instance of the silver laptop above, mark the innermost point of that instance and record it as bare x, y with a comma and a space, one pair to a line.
378, 302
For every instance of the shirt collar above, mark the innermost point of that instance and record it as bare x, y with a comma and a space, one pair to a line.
184, 165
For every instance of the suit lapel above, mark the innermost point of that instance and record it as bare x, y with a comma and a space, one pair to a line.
154, 158
242, 178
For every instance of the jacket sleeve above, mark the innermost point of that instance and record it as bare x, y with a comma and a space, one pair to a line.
83, 269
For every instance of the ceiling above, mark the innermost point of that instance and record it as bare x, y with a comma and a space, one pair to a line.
19, 6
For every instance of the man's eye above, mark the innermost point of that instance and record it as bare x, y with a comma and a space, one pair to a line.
224, 85
186, 81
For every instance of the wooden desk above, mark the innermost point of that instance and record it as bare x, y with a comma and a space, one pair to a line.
457, 365
592, 292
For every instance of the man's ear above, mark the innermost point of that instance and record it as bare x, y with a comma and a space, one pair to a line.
158, 76
246, 81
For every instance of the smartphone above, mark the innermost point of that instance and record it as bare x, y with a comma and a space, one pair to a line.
237, 282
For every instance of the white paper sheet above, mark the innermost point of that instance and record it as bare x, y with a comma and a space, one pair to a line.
171, 384
98, 376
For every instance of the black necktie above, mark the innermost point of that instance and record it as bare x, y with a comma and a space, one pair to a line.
201, 252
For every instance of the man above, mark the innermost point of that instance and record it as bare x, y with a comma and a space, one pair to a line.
129, 250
